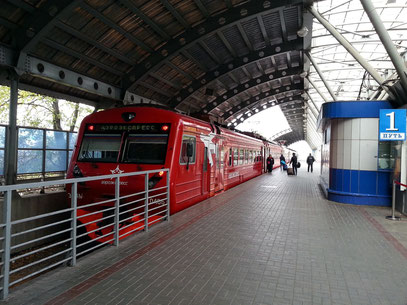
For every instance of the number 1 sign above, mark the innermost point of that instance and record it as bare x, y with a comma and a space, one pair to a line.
392, 125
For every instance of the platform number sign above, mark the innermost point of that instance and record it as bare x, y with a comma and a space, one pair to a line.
392, 125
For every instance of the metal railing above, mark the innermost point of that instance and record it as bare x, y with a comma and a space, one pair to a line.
58, 237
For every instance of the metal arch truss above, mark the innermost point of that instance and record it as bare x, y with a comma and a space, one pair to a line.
237, 63
46, 70
281, 133
39, 24
263, 105
261, 97
278, 75
211, 25
290, 138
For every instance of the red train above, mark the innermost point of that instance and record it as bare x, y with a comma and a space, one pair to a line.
204, 159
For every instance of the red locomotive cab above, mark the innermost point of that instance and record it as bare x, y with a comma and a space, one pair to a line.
119, 141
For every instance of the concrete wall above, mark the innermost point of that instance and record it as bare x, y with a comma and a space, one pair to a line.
33, 205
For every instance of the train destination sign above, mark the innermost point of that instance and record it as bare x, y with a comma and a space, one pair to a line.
392, 125
145, 128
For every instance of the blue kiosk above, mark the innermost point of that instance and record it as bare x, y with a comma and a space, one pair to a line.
356, 167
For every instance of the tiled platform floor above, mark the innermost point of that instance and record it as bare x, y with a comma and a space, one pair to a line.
272, 240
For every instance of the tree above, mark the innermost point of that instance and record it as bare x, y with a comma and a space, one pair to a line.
36, 110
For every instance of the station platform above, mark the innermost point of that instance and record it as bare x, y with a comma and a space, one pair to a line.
272, 240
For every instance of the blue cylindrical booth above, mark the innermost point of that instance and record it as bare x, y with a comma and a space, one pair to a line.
350, 169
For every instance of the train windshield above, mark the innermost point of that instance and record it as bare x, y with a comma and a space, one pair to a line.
126, 143
100, 147
146, 148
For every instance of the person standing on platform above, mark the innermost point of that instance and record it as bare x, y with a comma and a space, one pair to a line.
310, 161
270, 163
282, 162
294, 163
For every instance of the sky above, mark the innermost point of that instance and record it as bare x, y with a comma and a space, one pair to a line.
270, 122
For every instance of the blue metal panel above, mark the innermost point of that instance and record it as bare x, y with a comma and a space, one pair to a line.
346, 180
354, 181
360, 187
384, 183
367, 182
339, 179
351, 109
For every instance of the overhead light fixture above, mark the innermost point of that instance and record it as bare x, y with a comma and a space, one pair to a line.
303, 31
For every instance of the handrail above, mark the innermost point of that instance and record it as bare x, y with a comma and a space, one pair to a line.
14, 187
399, 183
68, 225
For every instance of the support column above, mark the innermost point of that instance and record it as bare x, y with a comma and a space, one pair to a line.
316, 88
312, 101
387, 42
11, 147
321, 75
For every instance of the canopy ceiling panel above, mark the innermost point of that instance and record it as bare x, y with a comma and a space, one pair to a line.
215, 59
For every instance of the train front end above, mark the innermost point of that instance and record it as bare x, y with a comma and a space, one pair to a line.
116, 141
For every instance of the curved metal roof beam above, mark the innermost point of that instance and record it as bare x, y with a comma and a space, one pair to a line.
244, 108
290, 138
37, 25
264, 79
192, 35
234, 65
281, 133
255, 99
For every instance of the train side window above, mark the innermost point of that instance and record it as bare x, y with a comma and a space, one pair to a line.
241, 159
230, 157
235, 156
250, 156
246, 156
188, 147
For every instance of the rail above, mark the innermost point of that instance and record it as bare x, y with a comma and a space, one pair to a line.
41, 241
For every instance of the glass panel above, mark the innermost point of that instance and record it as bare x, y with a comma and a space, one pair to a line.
386, 155
30, 138
73, 136
241, 155
55, 161
1, 162
235, 156
183, 157
146, 148
29, 161
55, 139
100, 147
70, 155
2, 136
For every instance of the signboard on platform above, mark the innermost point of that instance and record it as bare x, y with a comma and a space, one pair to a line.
392, 125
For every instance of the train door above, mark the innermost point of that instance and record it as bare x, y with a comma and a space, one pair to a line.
219, 167
206, 173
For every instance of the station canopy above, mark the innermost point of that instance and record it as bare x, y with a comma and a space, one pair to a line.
223, 60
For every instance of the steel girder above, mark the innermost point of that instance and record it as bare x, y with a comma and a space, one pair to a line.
211, 25
292, 99
264, 79
255, 99
290, 138
247, 115
234, 65
39, 24
46, 70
